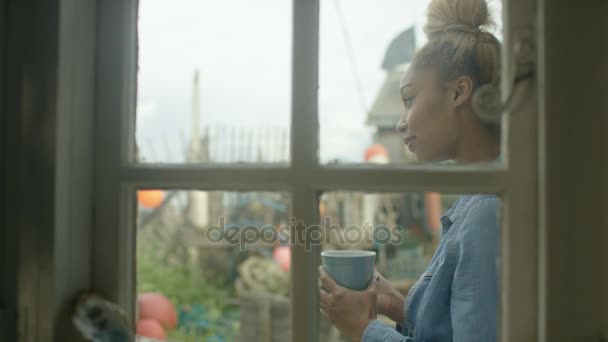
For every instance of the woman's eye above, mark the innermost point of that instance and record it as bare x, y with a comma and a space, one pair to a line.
408, 101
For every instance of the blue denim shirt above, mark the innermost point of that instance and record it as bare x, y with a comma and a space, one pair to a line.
456, 298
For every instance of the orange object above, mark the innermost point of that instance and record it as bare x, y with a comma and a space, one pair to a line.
282, 255
150, 199
432, 203
151, 328
376, 154
157, 307
322, 210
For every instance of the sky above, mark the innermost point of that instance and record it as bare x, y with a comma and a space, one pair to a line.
242, 49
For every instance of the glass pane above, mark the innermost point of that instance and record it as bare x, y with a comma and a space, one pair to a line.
451, 239
366, 47
213, 266
214, 81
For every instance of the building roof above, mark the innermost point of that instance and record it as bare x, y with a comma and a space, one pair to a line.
400, 50
387, 107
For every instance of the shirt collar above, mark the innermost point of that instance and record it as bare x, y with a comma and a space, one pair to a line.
450, 216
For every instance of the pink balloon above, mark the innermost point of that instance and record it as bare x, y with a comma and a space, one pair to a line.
157, 307
282, 255
151, 328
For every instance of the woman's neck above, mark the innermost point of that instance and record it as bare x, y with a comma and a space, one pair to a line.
477, 145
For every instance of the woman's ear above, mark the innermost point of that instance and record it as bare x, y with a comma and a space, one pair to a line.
462, 91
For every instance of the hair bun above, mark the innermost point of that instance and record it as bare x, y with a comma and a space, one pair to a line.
457, 15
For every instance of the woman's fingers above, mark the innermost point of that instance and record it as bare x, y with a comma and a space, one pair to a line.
326, 281
373, 285
377, 275
324, 313
326, 286
324, 296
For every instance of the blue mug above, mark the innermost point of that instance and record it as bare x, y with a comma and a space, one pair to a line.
350, 268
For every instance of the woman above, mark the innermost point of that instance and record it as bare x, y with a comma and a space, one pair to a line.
456, 299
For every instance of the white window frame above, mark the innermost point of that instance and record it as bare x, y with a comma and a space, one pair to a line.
117, 178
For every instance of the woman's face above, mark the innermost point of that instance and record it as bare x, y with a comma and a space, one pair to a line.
429, 122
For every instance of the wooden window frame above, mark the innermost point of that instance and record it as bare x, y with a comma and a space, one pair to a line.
115, 177
118, 177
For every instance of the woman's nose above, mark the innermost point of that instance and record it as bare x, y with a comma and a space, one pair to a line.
401, 126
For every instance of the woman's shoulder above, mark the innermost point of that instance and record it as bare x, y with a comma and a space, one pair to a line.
472, 204
481, 201
480, 214
475, 214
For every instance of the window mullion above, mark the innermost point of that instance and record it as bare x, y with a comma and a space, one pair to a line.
113, 271
304, 293
447, 180
520, 241
404, 180
304, 158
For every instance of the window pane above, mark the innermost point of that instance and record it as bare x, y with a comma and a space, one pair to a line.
214, 81
220, 258
365, 49
416, 237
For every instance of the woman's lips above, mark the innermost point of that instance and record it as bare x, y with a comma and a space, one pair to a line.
410, 142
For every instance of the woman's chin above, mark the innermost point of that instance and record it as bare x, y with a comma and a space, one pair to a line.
427, 158
422, 157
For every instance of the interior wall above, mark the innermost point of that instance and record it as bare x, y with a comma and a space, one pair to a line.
575, 109
7, 276
46, 178
30, 157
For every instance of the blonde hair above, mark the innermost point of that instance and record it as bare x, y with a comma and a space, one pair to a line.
459, 43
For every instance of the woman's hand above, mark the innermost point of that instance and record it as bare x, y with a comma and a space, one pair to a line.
390, 302
350, 311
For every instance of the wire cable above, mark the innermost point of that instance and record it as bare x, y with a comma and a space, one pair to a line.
351, 55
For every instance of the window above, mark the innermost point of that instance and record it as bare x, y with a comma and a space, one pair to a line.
364, 49
224, 84
119, 175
